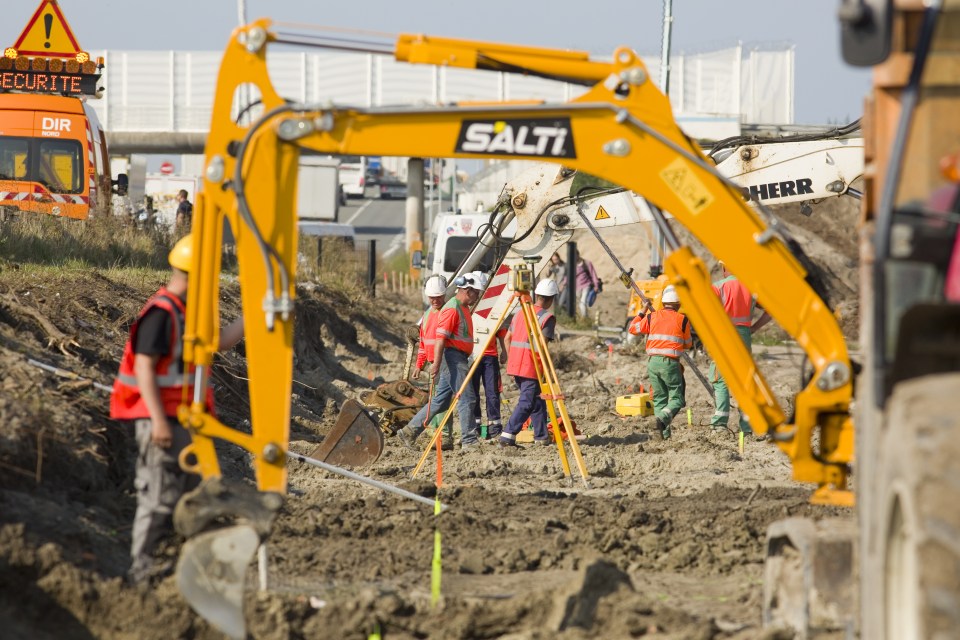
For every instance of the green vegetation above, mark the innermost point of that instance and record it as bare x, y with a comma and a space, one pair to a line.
399, 262
103, 241
334, 263
580, 323
771, 336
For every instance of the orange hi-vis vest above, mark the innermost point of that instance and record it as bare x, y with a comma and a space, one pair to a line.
428, 336
668, 332
455, 326
126, 403
492, 348
737, 300
519, 354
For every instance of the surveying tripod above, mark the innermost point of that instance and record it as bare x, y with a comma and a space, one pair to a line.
521, 283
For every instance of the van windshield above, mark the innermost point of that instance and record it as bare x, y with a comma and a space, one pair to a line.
459, 247
55, 164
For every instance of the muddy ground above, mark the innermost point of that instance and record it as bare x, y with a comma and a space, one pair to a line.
667, 540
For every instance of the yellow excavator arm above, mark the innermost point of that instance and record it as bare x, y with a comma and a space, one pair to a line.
621, 129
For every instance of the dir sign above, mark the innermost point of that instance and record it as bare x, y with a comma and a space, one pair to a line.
48, 82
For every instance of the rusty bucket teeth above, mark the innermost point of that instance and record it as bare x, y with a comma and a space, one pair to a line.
354, 441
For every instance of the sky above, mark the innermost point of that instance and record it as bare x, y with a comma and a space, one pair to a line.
827, 90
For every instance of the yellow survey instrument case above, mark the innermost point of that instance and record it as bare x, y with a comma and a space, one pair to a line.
636, 404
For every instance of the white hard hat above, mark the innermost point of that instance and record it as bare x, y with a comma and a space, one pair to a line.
435, 286
669, 295
472, 280
547, 288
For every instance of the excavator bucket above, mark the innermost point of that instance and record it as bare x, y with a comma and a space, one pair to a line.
214, 559
354, 441
210, 575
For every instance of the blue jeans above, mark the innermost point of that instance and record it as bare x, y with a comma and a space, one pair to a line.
488, 371
455, 366
529, 405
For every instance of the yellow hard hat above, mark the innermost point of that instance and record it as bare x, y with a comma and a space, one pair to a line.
182, 253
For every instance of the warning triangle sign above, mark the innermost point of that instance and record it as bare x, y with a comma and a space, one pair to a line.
47, 34
601, 214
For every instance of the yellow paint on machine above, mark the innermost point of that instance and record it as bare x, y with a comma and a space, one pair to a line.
680, 179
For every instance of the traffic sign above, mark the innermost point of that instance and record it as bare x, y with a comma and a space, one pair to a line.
166, 168
47, 34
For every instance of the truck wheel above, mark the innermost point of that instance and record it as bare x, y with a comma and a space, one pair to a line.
911, 560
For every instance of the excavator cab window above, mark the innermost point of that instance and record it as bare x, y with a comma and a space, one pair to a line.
922, 320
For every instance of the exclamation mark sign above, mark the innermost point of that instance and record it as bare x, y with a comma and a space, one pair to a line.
47, 24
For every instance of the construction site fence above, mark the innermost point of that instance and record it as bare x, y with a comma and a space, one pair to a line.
348, 265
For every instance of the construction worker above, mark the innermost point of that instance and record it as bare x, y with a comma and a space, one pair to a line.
521, 366
435, 288
739, 303
453, 345
488, 372
668, 335
147, 392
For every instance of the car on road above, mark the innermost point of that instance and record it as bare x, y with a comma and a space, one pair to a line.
392, 188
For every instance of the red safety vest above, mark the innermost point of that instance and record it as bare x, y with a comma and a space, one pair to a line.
492, 349
520, 354
126, 403
428, 336
455, 326
668, 332
737, 300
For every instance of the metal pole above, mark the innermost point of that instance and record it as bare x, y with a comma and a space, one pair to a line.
572, 279
453, 188
262, 566
319, 256
657, 251
414, 205
372, 268
383, 486
665, 47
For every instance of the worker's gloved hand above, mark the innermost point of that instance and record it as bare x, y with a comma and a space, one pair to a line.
161, 434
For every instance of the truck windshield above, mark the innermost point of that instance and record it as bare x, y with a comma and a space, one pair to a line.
55, 164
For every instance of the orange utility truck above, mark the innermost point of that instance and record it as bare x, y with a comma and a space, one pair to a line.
53, 152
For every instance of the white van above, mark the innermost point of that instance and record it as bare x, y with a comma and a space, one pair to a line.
353, 179
452, 237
